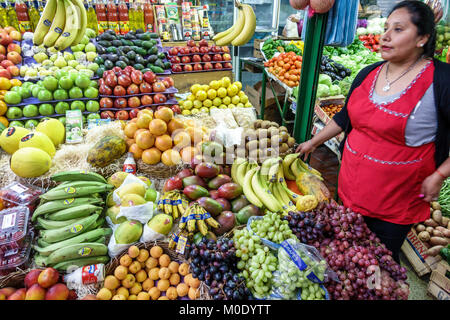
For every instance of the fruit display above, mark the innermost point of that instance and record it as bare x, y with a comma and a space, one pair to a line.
193, 58
10, 52
371, 41
222, 94
215, 263
270, 227
332, 109
434, 232
40, 284
70, 222
443, 35
141, 50
242, 30
287, 67
144, 274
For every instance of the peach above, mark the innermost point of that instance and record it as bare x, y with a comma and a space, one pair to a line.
18, 294
32, 277
5, 73
6, 63
35, 292
7, 291
14, 47
48, 277
15, 35
89, 297
58, 291
2, 49
14, 57
14, 70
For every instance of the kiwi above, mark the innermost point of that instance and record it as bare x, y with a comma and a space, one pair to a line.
241, 152
275, 141
284, 148
265, 124
257, 124
250, 135
264, 143
261, 134
283, 128
291, 142
261, 155
284, 136
251, 145
274, 124
272, 131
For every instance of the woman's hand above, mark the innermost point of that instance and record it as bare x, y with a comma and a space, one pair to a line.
305, 148
431, 187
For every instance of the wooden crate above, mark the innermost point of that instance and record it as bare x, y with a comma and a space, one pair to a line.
183, 81
322, 114
256, 48
439, 285
414, 250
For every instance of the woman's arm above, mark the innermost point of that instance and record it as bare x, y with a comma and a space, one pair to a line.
433, 183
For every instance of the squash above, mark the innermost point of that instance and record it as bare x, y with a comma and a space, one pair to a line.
306, 203
107, 150
299, 4
321, 6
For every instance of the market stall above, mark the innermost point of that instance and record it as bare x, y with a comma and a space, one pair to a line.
135, 167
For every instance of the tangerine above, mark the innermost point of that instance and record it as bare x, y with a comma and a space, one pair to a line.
163, 142
187, 154
158, 127
136, 151
165, 114
145, 140
151, 156
143, 120
170, 157
130, 129
175, 124
182, 139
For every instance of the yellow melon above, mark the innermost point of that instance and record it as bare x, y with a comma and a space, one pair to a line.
54, 129
38, 140
10, 138
30, 162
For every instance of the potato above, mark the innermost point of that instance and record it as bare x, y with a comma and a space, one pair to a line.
434, 251
420, 228
437, 216
437, 233
431, 223
435, 205
429, 230
435, 241
445, 221
424, 236
445, 232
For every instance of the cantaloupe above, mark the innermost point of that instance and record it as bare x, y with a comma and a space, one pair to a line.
10, 138
30, 162
38, 140
54, 129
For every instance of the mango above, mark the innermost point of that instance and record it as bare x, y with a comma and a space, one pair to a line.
132, 188
112, 214
19, 294
218, 181
147, 181
128, 232
58, 291
35, 292
245, 213
161, 223
109, 200
191, 180
230, 191
238, 203
132, 199
48, 278
210, 205
117, 178
226, 205
185, 173
7, 291
194, 192
207, 170
227, 220
32, 277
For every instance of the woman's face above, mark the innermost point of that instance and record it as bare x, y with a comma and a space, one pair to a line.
400, 40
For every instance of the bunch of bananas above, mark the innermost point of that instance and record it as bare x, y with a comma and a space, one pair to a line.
242, 30
173, 203
62, 24
70, 219
265, 186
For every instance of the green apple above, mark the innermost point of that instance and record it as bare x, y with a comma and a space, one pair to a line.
85, 40
77, 105
73, 75
16, 123
14, 113
30, 110
62, 120
73, 63
68, 56
31, 124
93, 84
82, 81
61, 73
66, 83
61, 107
151, 195
35, 90
44, 95
60, 62
50, 83
15, 89
90, 47
27, 84
90, 92
24, 92
75, 93
93, 116
87, 72
12, 97
60, 94
92, 106
46, 109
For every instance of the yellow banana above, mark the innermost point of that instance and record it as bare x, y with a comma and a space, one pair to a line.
83, 22
249, 28
213, 223
202, 227
248, 189
45, 22
287, 161
57, 26
71, 28
222, 34
238, 27
240, 172
175, 213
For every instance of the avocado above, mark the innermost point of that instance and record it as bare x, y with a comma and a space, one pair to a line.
131, 55
130, 36
101, 49
113, 57
153, 50
167, 65
100, 70
149, 65
161, 55
137, 42
134, 48
99, 60
144, 36
156, 69
154, 35
141, 51
111, 50
128, 42
121, 64
138, 66
109, 65
147, 44
145, 70
159, 63
154, 42
124, 59
104, 56
152, 58
139, 59
104, 43
116, 43
126, 49
106, 36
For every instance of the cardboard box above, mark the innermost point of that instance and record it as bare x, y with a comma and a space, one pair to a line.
437, 292
254, 96
414, 250
439, 277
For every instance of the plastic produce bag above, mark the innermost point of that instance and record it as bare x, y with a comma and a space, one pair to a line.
115, 249
150, 235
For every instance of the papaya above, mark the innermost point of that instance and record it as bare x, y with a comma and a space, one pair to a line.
107, 150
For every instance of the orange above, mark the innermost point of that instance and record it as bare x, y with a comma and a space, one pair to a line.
137, 152
182, 139
187, 154
175, 124
143, 120
3, 108
145, 111
138, 131
164, 113
5, 84
170, 157
15, 82
130, 142
145, 140
158, 127
4, 121
130, 129
151, 156
163, 142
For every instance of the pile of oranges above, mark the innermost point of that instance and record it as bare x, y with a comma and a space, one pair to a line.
287, 67
158, 136
5, 85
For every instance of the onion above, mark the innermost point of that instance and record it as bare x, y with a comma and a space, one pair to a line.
299, 4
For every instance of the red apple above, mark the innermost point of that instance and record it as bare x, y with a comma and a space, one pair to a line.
120, 103
48, 277
159, 87
216, 49
185, 59
198, 67
175, 60
159, 98
145, 87
177, 68
173, 51
120, 91
5, 73
133, 113
111, 80
149, 77
14, 47
166, 84
122, 115
184, 51
170, 81
225, 49
107, 115
133, 89
227, 65
128, 70
226, 57
217, 57
2, 57
100, 81
6, 63
191, 43
137, 77
196, 58
194, 50
32, 277
204, 49
14, 70
116, 70
5, 39
14, 57
208, 66
106, 103
105, 90
203, 43
218, 66
206, 58
187, 68
146, 100
176, 109
124, 80
134, 102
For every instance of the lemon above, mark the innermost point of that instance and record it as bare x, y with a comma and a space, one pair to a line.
215, 84
244, 99
186, 112
204, 109
195, 88
222, 106
205, 87
238, 84
187, 105
181, 103
240, 105
222, 92
231, 106
248, 105
212, 93
217, 102
195, 111
232, 90
198, 104
241, 93
235, 100
213, 107
191, 97
207, 103
226, 82
201, 95
226, 101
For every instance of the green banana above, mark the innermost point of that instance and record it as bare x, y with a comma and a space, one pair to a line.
78, 184
42, 243
45, 22
70, 231
100, 222
77, 175
40, 260
75, 251
73, 213
70, 192
57, 26
100, 240
88, 236
50, 224
248, 190
81, 262
57, 205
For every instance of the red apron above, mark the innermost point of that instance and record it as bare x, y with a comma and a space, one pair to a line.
380, 175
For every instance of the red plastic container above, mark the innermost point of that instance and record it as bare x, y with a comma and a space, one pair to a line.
17, 258
20, 194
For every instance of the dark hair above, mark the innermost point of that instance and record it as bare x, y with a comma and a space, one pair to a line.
423, 18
